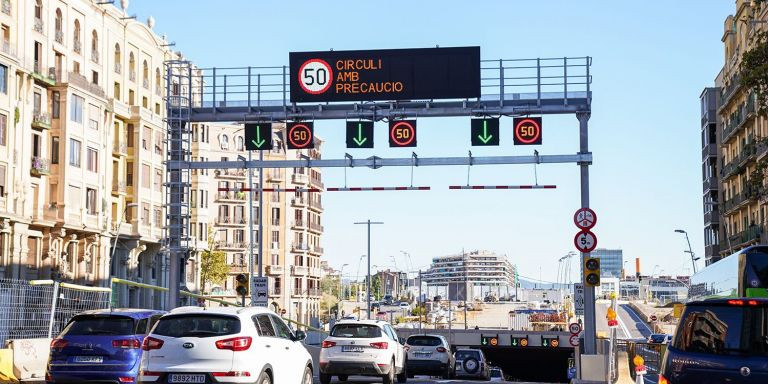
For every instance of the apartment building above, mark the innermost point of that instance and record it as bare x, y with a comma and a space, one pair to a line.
82, 146
710, 142
291, 219
479, 271
743, 144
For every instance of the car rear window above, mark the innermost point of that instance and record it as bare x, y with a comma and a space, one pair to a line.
724, 330
495, 373
424, 341
356, 330
100, 325
463, 355
197, 325
658, 338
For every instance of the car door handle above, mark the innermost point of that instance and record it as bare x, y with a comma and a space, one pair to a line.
269, 346
287, 348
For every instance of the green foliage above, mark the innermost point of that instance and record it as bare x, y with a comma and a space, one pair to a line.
754, 71
376, 287
213, 263
330, 285
418, 311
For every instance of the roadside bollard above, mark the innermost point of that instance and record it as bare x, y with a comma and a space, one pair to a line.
640, 369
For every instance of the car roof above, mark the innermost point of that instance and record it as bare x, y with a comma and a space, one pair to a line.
135, 313
364, 322
426, 335
233, 311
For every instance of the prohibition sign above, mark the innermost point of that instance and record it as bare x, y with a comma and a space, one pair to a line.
402, 133
315, 76
524, 342
300, 136
555, 343
528, 131
574, 328
574, 340
585, 241
585, 218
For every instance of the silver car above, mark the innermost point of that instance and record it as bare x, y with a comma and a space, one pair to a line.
429, 355
471, 363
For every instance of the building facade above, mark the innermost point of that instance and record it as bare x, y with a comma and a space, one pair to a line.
481, 271
710, 142
611, 261
82, 147
743, 145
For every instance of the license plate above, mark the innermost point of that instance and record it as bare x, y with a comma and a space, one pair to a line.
88, 359
176, 378
423, 353
351, 348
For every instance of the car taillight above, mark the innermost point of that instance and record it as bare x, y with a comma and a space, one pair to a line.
328, 344
380, 345
736, 302
235, 344
752, 302
126, 343
151, 343
231, 374
126, 379
663, 380
150, 373
441, 349
58, 344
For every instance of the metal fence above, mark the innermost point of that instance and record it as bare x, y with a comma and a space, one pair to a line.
652, 354
41, 308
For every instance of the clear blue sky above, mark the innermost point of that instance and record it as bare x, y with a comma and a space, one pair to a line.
651, 61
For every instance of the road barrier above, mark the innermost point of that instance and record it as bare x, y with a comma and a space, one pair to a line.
652, 355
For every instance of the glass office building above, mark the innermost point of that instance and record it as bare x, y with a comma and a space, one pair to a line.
611, 261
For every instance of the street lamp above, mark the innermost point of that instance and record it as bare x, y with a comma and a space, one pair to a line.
341, 282
114, 244
690, 251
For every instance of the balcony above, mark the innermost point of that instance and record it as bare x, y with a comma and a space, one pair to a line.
315, 272
132, 76
230, 221
38, 74
119, 108
299, 178
274, 175
298, 270
38, 25
77, 46
8, 49
709, 150
316, 205
727, 92
746, 195
299, 247
118, 68
274, 291
231, 246
6, 7
41, 120
317, 249
298, 224
231, 197
145, 83
275, 269
158, 90
298, 202
315, 227
738, 163
317, 183
59, 37
712, 217
230, 173
315, 292
746, 237
119, 148
118, 187
711, 184
80, 81
40, 166
711, 250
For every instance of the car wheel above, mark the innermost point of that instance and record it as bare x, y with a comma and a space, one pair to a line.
343, 377
307, 378
264, 378
402, 377
471, 365
389, 378
325, 378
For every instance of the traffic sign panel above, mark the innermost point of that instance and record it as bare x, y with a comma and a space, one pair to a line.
574, 340
258, 137
574, 328
300, 135
585, 218
654, 318
519, 341
585, 241
484, 132
259, 289
578, 298
315, 76
527, 130
359, 134
550, 341
402, 133
489, 340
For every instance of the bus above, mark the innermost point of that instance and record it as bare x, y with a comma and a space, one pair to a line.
742, 274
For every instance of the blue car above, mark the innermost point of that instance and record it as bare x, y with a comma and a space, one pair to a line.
101, 346
719, 341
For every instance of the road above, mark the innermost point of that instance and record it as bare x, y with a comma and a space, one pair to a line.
417, 380
631, 326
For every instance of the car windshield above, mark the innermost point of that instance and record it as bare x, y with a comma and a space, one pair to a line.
495, 373
462, 355
356, 331
724, 330
100, 325
424, 341
658, 338
197, 325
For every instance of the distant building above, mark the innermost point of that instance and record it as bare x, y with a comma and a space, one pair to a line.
393, 283
611, 261
482, 271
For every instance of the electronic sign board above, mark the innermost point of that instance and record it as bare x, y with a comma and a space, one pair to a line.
387, 74
300, 135
402, 133
359, 134
485, 132
258, 137
527, 131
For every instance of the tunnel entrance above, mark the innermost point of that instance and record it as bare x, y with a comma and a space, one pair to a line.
531, 364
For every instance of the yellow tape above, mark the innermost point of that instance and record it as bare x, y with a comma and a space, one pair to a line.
84, 288
41, 282
6, 366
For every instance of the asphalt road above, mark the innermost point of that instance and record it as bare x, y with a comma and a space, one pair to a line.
630, 324
416, 380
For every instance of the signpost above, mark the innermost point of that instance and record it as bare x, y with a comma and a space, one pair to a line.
578, 299
484, 132
527, 130
260, 285
402, 133
585, 241
300, 135
385, 74
359, 134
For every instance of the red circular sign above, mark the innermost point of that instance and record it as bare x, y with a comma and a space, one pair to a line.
654, 318
283, 311
406, 136
300, 135
585, 218
574, 340
574, 328
528, 131
315, 76
585, 241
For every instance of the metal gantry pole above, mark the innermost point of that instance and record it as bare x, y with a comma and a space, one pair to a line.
590, 342
261, 216
368, 282
250, 227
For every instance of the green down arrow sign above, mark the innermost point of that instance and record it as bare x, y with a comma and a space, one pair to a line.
485, 132
360, 134
259, 141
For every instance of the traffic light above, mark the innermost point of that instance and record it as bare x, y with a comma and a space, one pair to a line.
519, 341
550, 341
242, 284
592, 272
489, 341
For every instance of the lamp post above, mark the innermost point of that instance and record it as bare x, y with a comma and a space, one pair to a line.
341, 282
114, 244
368, 289
689, 251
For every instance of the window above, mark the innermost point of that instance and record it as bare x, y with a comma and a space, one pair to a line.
95, 77
159, 143
37, 103
2, 180
93, 116
54, 150
723, 330
93, 159
146, 138
224, 142
195, 325
90, 201
118, 59
158, 180
56, 104
145, 176
158, 217
239, 235
275, 216
240, 143
74, 152
129, 174
3, 78
116, 90
264, 325
275, 236
145, 213
193, 198
3, 129
281, 329
129, 133
94, 46
38, 9
76, 109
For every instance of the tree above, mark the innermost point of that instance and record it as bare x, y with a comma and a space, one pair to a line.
213, 263
376, 287
754, 71
330, 285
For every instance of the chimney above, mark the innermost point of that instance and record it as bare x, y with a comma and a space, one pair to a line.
637, 267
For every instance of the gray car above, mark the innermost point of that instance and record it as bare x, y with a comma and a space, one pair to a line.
471, 363
429, 355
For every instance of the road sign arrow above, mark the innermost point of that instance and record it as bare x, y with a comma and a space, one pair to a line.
485, 137
514, 342
259, 141
359, 140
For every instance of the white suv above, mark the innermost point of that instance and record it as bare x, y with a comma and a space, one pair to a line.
363, 347
224, 345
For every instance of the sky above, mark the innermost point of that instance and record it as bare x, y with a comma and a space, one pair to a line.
651, 61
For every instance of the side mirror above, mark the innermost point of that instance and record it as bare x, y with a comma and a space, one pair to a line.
401, 340
299, 336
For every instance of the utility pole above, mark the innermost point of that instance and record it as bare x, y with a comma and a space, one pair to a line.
368, 288
590, 335
466, 288
421, 303
689, 251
